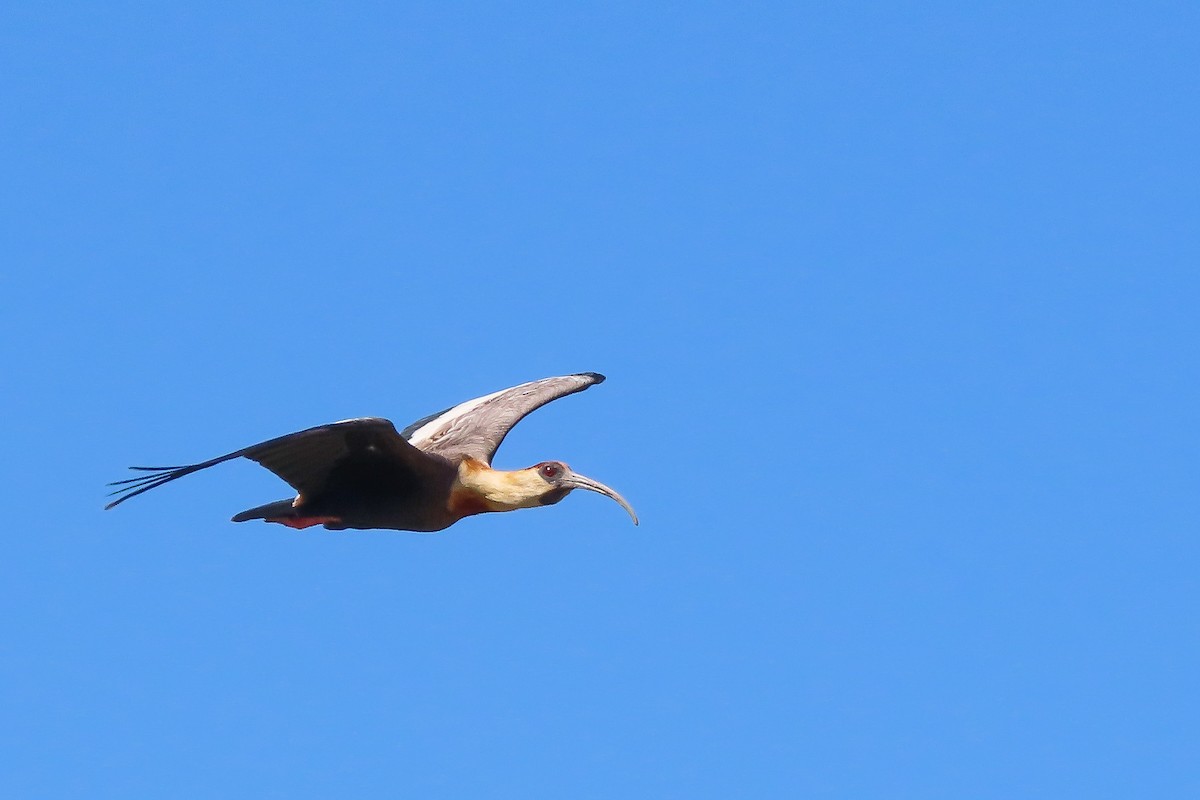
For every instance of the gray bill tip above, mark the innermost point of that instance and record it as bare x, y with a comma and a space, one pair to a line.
577, 481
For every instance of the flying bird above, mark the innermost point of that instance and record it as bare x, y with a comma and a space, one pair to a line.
362, 473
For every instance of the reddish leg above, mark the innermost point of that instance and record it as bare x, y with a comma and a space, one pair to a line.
303, 522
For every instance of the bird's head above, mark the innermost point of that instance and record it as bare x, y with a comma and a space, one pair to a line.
559, 480
542, 484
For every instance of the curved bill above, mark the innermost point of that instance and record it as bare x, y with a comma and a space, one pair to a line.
577, 481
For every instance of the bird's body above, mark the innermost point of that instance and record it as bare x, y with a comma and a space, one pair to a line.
362, 473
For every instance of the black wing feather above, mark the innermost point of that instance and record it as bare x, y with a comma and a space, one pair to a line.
303, 459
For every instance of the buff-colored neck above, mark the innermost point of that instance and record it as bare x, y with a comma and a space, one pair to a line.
498, 489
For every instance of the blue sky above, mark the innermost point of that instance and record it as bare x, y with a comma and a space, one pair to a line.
898, 309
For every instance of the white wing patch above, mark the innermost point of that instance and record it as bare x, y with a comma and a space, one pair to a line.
477, 427
421, 436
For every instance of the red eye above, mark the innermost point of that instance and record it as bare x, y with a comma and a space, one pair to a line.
550, 470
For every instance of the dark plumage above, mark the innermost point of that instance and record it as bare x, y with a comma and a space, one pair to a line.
362, 473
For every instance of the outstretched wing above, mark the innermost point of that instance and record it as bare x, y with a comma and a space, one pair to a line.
304, 459
477, 427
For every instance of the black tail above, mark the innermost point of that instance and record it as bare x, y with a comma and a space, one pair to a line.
280, 508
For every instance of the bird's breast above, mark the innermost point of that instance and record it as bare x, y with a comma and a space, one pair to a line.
465, 502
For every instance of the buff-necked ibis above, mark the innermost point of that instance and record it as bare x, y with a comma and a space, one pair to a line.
362, 473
